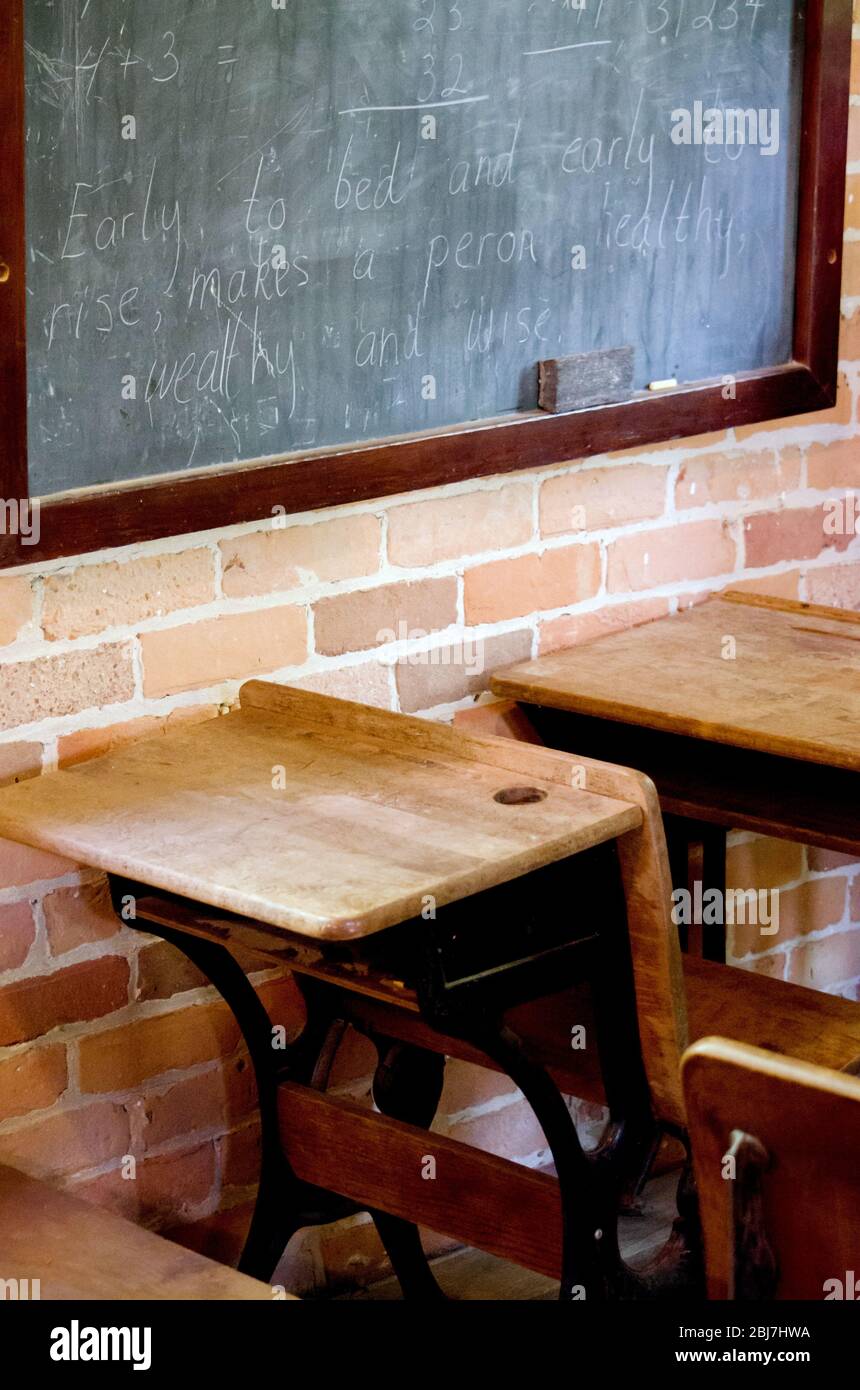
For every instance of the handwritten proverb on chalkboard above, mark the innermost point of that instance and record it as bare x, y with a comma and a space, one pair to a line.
256, 227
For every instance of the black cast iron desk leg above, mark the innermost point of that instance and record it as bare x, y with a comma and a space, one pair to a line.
285, 1204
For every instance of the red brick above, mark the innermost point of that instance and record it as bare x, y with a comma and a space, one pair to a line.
174, 1185
649, 559
278, 560
826, 962
822, 860
94, 597
795, 533
219, 649
529, 584
50, 687
221, 1097
240, 1156
32, 1079
163, 971
594, 499
736, 477
368, 683
784, 585
76, 916
369, 618
120, 1058
16, 607
512, 1132
20, 865
834, 465
445, 674
810, 907
835, 586
763, 863
575, 629
17, 934
849, 337
68, 1141
445, 528
92, 989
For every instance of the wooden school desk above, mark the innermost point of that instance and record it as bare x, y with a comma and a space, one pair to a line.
424, 885
745, 711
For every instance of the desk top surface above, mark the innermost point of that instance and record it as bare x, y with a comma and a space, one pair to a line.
790, 685
316, 815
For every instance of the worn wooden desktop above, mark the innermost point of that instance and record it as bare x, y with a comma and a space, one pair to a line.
399, 867
745, 711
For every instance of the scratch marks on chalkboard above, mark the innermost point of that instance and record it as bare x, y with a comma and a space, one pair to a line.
413, 106
566, 47
292, 124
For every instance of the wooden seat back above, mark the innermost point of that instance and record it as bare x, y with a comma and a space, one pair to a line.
655, 950
775, 1144
54, 1246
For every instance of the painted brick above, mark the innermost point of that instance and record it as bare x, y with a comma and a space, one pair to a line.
834, 465
120, 1058
574, 629
699, 550
266, 562
458, 671
763, 863
19, 761
17, 934
445, 528
16, 607
594, 499
52, 686
794, 533
219, 649
467, 1086
67, 1142
94, 597
76, 916
506, 589
826, 962
84, 744
32, 1079
20, 865
835, 586
736, 477
92, 989
367, 618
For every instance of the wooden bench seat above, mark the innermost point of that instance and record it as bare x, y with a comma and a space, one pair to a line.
81, 1252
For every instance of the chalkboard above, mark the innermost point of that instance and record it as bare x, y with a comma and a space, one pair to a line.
256, 227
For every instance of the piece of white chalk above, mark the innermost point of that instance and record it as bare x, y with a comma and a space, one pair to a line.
663, 385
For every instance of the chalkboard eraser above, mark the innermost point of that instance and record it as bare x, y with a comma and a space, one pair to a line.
585, 379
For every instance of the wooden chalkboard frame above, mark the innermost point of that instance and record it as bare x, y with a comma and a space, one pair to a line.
128, 513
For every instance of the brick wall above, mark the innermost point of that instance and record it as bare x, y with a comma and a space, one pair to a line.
110, 1046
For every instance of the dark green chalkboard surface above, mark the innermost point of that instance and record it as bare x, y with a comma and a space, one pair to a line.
257, 227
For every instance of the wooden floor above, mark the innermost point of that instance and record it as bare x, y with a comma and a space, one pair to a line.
472, 1275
